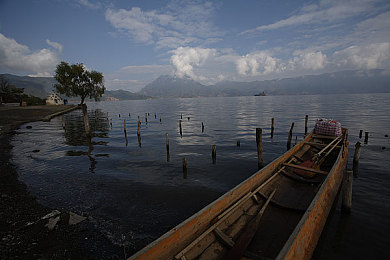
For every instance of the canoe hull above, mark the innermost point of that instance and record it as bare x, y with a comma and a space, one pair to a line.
177, 238
299, 245
303, 240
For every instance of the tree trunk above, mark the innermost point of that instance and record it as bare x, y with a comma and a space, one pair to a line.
82, 100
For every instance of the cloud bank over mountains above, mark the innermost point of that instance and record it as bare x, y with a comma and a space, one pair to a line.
328, 36
189, 39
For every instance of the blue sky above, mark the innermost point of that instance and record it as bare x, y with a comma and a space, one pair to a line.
133, 42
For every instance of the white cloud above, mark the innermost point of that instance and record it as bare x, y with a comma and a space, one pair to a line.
184, 59
174, 42
373, 56
309, 60
178, 24
86, 3
55, 45
376, 29
41, 74
326, 12
258, 63
15, 57
122, 81
139, 24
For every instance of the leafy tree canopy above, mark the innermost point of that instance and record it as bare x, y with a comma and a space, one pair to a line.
74, 80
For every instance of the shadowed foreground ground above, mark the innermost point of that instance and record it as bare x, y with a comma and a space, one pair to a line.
23, 233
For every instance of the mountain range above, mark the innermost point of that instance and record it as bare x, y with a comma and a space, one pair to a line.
43, 86
354, 81
371, 81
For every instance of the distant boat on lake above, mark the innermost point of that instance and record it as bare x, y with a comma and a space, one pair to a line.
262, 94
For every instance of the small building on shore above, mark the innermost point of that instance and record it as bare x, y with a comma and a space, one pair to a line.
54, 99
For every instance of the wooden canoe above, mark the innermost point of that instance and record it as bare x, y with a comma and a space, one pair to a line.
277, 213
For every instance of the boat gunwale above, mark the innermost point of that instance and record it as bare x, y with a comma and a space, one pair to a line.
255, 180
287, 251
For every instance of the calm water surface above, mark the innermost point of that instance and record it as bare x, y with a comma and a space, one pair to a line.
134, 195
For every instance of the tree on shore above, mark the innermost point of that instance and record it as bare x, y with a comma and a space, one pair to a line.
74, 80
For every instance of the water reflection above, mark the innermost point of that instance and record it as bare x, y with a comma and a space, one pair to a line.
139, 140
76, 133
91, 158
127, 141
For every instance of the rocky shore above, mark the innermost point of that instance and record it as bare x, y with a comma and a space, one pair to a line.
26, 229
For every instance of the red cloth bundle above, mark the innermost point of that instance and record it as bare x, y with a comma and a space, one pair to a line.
327, 127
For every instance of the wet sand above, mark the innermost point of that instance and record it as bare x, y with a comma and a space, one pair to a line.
23, 233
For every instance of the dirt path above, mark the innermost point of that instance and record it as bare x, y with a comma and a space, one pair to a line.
23, 232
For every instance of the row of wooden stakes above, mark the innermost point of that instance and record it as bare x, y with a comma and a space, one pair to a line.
213, 152
259, 143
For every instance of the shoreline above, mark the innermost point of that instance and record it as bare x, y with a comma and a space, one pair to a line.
23, 232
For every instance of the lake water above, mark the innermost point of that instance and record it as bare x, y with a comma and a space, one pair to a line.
134, 195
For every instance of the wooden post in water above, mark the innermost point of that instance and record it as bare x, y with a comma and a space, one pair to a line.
86, 122
272, 127
184, 168
306, 120
290, 136
296, 140
360, 133
119, 115
155, 115
181, 116
139, 140
146, 118
139, 128
111, 122
107, 116
160, 119
180, 129
127, 141
366, 137
355, 165
124, 129
214, 153
129, 115
259, 143
167, 146
238, 143
347, 191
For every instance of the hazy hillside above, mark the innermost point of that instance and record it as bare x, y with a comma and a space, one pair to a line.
373, 81
36, 86
42, 86
169, 86
123, 95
